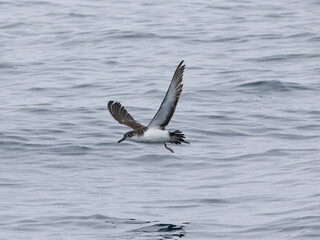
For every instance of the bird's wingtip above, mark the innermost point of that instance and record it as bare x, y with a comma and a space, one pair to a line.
110, 103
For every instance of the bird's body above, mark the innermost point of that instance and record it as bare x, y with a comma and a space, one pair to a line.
152, 135
155, 131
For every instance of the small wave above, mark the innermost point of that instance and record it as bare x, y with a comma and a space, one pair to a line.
315, 39
37, 89
214, 201
38, 224
220, 39
13, 25
117, 34
10, 144
86, 86
42, 89
69, 150
38, 110
80, 15
12, 137
284, 57
132, 34
273, 85
7, 66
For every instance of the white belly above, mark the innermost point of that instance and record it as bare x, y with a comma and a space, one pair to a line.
153, 135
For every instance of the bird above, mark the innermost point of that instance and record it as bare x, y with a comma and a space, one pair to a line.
155, 131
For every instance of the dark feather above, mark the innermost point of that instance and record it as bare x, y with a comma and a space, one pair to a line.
169, 103
120, 114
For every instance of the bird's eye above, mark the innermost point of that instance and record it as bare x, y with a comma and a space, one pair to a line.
130, 135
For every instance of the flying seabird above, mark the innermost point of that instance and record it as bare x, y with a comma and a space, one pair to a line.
155, 131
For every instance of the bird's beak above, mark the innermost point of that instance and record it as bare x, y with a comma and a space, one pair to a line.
122, 139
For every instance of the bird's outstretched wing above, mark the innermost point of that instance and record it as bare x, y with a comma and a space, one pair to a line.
169, 103
120, 114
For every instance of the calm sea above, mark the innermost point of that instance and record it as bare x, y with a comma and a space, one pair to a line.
250, 108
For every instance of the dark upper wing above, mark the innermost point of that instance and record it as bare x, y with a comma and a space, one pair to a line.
120, 114
169, 103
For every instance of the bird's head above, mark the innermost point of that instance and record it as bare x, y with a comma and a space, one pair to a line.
127, 135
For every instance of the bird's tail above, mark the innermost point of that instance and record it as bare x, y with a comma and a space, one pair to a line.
177, 137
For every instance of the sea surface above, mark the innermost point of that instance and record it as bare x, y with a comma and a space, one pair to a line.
250, 108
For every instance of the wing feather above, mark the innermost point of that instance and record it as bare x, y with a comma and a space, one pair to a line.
169, 103
120, 114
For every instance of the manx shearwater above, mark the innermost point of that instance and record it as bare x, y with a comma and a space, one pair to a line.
155, 131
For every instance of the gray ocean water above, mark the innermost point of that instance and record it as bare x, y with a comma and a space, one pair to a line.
250, 108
